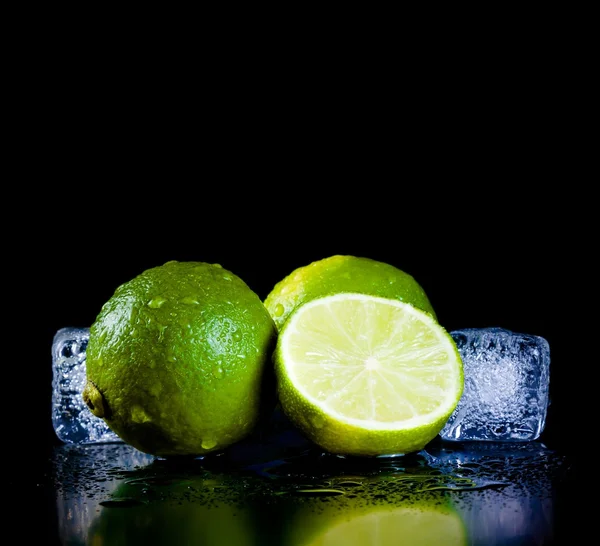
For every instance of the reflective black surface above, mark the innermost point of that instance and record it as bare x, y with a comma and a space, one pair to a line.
277, 489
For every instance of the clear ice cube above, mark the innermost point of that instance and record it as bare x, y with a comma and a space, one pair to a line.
506, 394
72, 420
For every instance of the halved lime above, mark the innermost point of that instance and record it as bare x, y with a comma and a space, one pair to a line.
365, 375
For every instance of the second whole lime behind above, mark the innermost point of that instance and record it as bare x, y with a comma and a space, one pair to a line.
343, 273
178, 360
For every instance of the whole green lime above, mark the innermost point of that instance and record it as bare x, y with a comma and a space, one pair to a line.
342, 273
178, 360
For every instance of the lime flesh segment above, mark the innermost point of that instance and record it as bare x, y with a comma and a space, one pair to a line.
366, 375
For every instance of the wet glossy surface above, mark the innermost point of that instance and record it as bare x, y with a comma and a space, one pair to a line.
278, 489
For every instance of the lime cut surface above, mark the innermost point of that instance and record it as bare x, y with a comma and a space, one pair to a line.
365, 375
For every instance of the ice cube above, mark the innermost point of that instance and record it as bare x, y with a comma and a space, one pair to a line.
73, 422
506, 394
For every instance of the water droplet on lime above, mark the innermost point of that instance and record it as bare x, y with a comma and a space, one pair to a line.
317, 421
156, 302
209, 443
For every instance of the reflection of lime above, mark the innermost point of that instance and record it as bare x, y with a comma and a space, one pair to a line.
177, 359
393, 526
363, 375
423, 519
184, 522
343, 274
